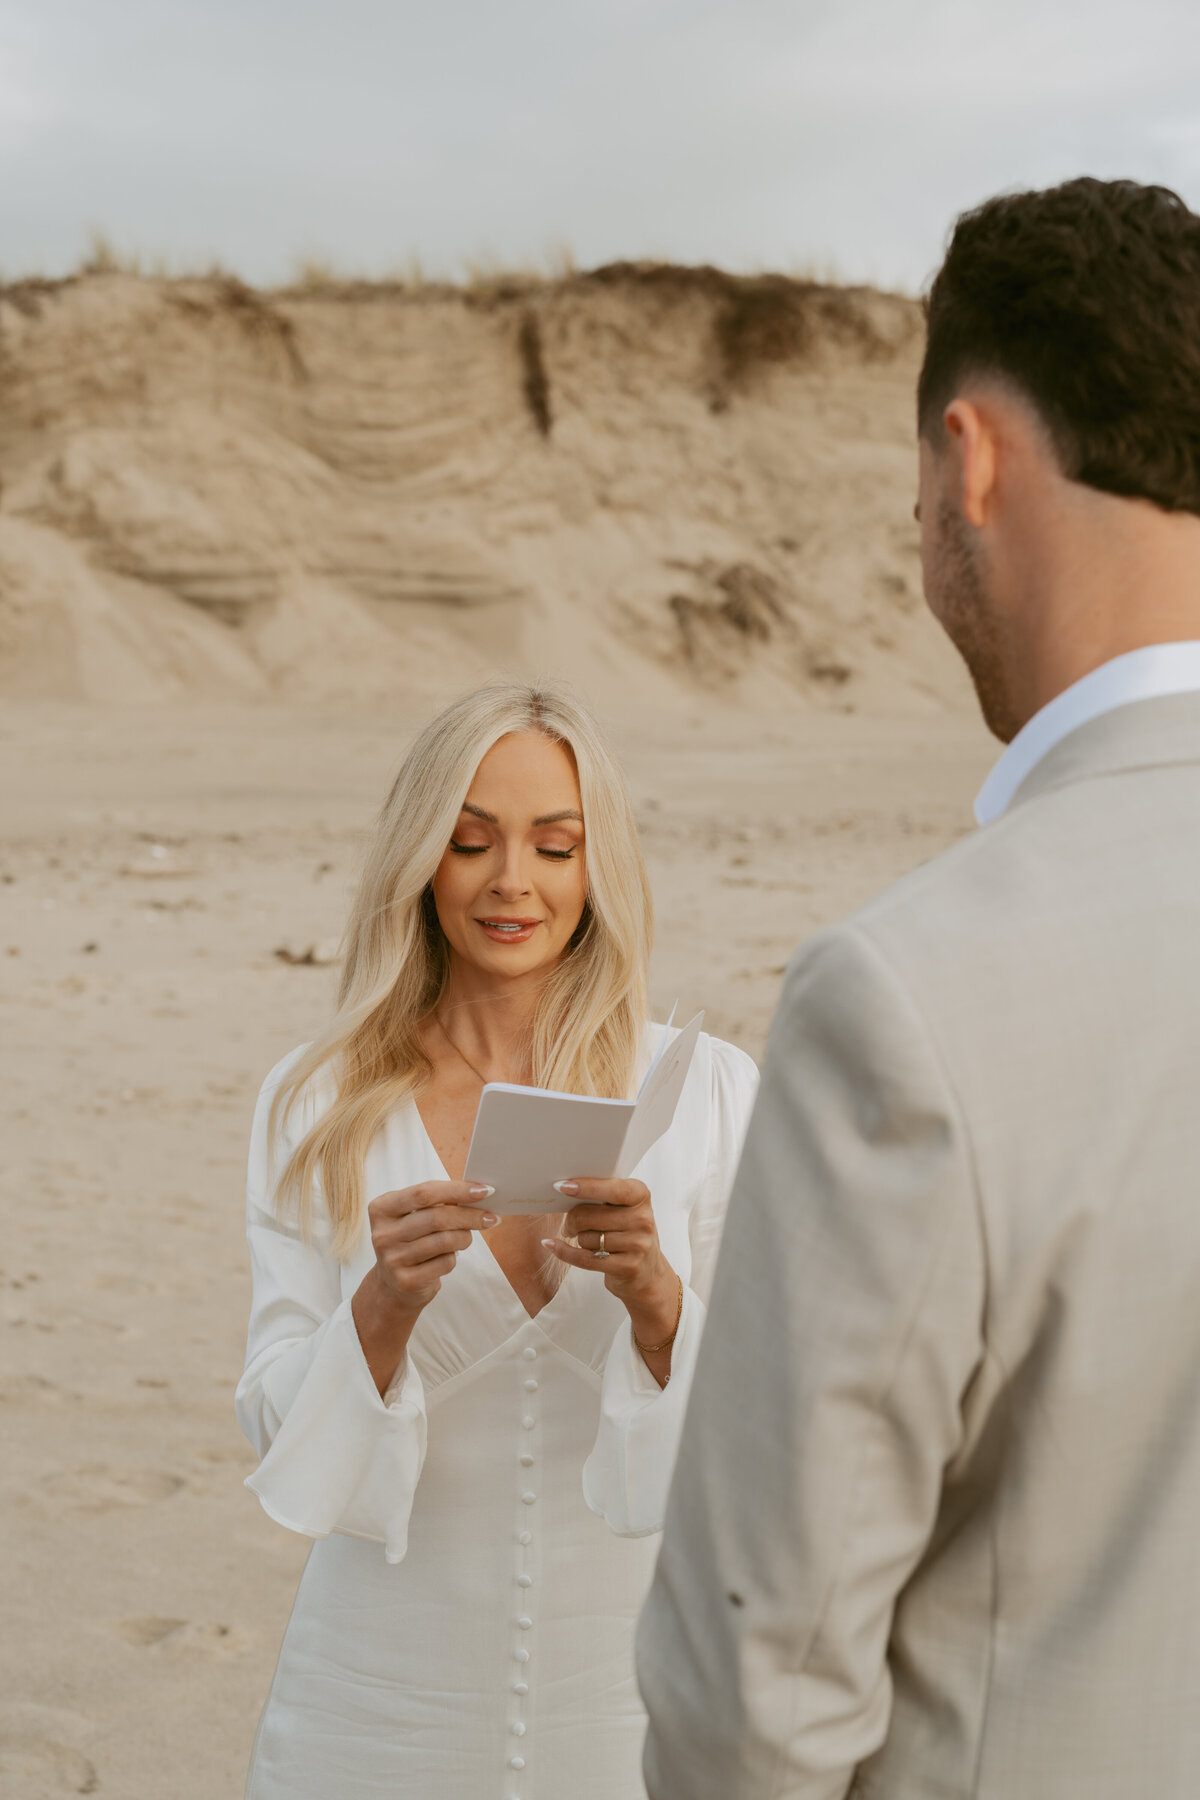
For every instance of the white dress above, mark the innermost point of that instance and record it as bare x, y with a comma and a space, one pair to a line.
487, 1532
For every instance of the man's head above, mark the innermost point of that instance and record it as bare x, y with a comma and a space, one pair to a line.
1059, 401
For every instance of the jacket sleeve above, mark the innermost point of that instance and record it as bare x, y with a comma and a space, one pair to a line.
335, 1456
846, 1323
628, 1473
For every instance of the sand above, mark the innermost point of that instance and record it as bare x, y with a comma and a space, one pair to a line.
246, 543
146, 1591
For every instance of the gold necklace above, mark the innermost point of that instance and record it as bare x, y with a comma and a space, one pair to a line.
461, 1053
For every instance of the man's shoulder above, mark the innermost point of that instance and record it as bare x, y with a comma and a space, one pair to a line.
1001, 885
960, 888
1077, 863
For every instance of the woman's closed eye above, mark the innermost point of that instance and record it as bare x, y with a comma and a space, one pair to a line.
478, 850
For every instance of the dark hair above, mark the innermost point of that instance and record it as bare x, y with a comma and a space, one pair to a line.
1087, 298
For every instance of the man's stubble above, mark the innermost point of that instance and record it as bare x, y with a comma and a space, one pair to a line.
960, 599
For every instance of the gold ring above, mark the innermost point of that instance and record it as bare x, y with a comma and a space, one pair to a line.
601, 1251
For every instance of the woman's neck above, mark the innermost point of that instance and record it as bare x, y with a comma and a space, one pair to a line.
490, 1023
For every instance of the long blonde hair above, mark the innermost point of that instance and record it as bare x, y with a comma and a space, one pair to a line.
590, 1016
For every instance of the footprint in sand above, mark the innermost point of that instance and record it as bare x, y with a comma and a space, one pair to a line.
36, 1768
98, 1487
144, 1632
184, 1638
107, 1282
31, 1390
237, 1453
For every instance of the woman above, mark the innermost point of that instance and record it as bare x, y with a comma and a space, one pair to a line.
476, 1416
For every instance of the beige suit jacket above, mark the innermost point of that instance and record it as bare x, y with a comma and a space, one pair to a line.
935, 1526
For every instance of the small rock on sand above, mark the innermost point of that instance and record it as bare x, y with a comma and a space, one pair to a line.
157, 862
315, 956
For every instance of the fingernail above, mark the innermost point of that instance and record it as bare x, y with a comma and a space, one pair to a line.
566, 1187
547, 1243
479, 1191
491, 1218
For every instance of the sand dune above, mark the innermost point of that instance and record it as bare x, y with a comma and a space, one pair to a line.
692, 483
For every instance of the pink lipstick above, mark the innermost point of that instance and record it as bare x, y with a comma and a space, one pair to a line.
509, 931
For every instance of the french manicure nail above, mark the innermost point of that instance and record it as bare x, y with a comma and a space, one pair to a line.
547, 1243
491, 1218
566, 1187
480, 1191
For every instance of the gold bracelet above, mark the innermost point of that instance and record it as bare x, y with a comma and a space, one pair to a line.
657, 1349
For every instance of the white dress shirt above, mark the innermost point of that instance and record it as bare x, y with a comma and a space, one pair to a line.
1151, 673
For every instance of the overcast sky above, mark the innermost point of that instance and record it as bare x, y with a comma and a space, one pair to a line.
835, 135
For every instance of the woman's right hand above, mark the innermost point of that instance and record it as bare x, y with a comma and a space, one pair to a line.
417, 1234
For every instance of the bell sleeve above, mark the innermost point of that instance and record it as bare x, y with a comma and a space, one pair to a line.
628, 1472
335, 1455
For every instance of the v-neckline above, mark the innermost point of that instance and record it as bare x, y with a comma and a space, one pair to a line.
480, 1237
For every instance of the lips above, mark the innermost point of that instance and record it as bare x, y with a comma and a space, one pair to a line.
509, 931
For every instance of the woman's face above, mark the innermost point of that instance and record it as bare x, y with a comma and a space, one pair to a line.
510, 889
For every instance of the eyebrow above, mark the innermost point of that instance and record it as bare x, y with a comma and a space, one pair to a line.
554, 818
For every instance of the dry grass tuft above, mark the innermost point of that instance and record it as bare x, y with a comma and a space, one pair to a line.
314, 274
104, 258
254, 314
759, 320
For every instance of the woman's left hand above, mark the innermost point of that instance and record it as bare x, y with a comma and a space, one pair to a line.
616, 1216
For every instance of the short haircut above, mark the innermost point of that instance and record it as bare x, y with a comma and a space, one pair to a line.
1086, 297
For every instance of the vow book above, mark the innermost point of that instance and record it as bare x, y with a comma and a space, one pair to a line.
525, 1139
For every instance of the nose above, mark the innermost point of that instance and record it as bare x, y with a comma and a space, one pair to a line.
510, 883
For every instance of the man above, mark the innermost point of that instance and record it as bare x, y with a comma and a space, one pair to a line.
935, 1525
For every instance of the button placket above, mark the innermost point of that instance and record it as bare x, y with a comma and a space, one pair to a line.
527, 1424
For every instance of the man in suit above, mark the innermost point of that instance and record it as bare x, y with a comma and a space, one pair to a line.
935, 1526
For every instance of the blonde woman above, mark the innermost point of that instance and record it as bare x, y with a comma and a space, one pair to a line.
476, 1417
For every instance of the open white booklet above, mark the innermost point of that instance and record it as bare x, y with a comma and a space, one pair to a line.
525, 1139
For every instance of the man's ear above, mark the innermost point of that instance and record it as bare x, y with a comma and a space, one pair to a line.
973, 445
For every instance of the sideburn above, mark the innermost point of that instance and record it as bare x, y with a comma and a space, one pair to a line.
966, 613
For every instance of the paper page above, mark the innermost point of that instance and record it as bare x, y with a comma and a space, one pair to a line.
664, 1040
659, 1095
525, 1139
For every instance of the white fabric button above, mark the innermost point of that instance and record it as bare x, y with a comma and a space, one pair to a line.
531, 1386
526, 1537
528, 1497
529, 1353
527, 1461
529, 1422
521, 1655
518, 1729
524, 1580
524, 1621
520, 1687
516, 1762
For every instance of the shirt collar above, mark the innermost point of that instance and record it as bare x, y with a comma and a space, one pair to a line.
1147, 674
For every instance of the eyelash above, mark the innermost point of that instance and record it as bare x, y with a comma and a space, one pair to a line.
478, 850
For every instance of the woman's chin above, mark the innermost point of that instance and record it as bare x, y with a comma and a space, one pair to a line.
525, 959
